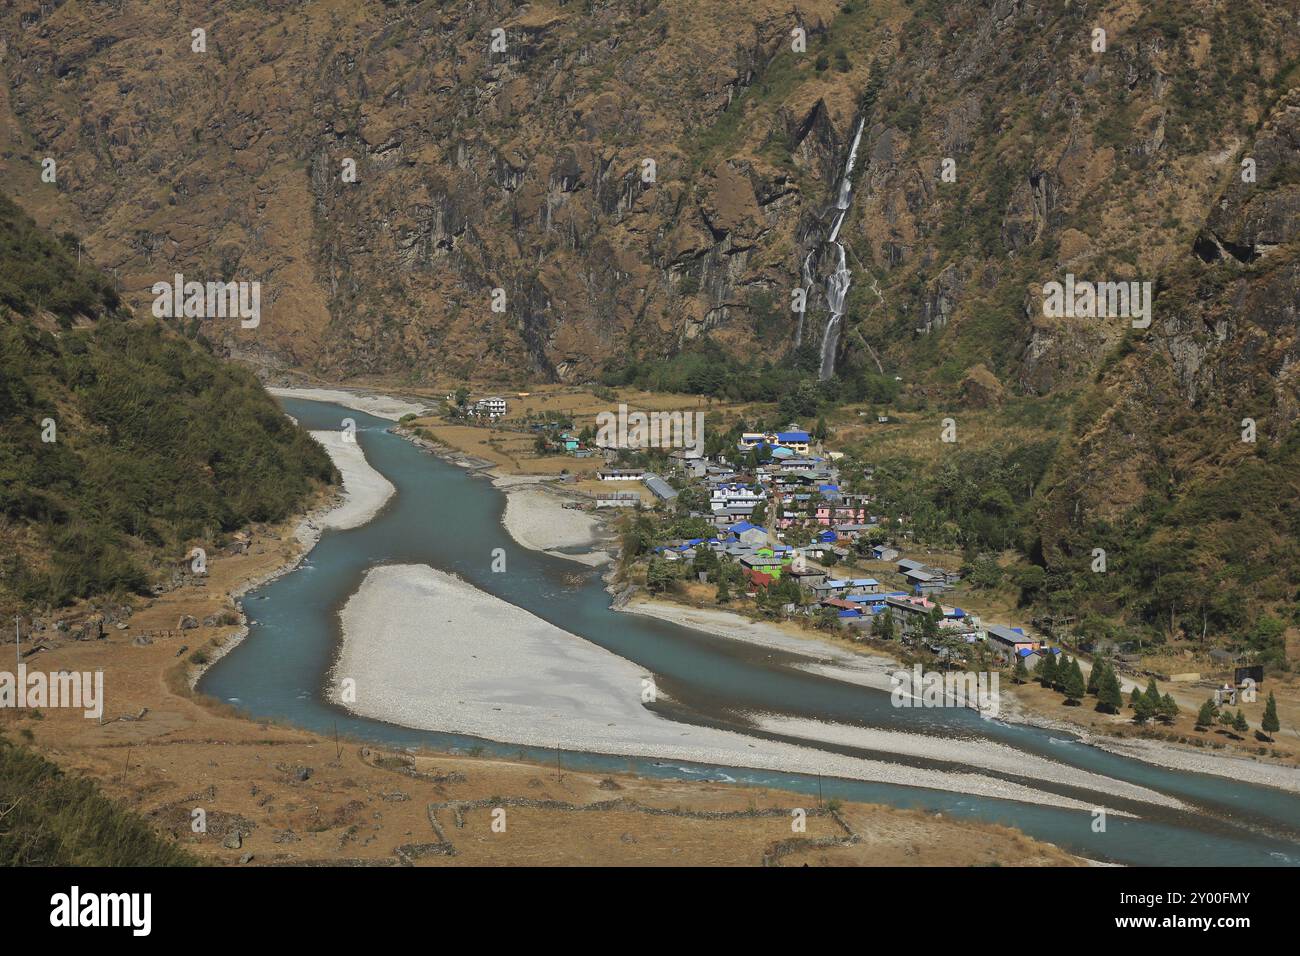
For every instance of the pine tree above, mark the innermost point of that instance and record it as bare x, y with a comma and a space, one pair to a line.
1168, 709
1047, 669
1269, 724
882, 626
1094, 676
724, 592
1205, 716
1072, 684
1110, 698
1019, 673
1239, 724
1142, 709
1153, 696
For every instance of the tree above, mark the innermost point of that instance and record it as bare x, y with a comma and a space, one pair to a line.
1269, 723
1019, 673
1031, 580
658, 575
1047, 669
930, 626
1095, 675
1239, 724
1152, 696
982, 574
1072, 685
786, 591
724, 593
706, 559
1168, 712
1205, 716
1142, 709
1077, 671
882, 626
1110, 698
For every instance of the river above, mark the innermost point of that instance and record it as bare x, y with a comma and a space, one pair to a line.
446, 517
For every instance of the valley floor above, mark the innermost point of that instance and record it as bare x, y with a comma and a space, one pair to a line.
278, 795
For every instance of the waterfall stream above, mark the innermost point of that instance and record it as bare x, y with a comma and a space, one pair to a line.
837, 283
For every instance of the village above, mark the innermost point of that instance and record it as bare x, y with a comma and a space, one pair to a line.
773, 523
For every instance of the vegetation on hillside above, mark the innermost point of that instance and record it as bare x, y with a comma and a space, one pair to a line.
48, 818
122, 442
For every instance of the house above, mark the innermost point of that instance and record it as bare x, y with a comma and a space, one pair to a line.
693, 467
618, 499
792, 442
730, 515
852, 531
909, 612
907, 564
807, 578
620, 474
923, 582
882, 553
748, 533
948, 577
845, 609
493, 407
725, 495
861, 585
767, 561
1011, 639
660, 488
799, 464
829, 588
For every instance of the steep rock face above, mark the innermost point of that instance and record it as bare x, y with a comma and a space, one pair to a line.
1009, 149
1186, 449
637, 175
1261, 208
578, 169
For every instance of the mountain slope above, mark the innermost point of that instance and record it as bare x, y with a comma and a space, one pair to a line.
122, 442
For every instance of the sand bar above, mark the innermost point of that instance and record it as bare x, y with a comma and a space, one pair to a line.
430, 651
381, 406
365, 490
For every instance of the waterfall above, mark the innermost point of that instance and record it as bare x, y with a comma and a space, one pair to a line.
807, 290
837, 283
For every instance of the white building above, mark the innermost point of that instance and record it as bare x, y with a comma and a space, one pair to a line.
493, 406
